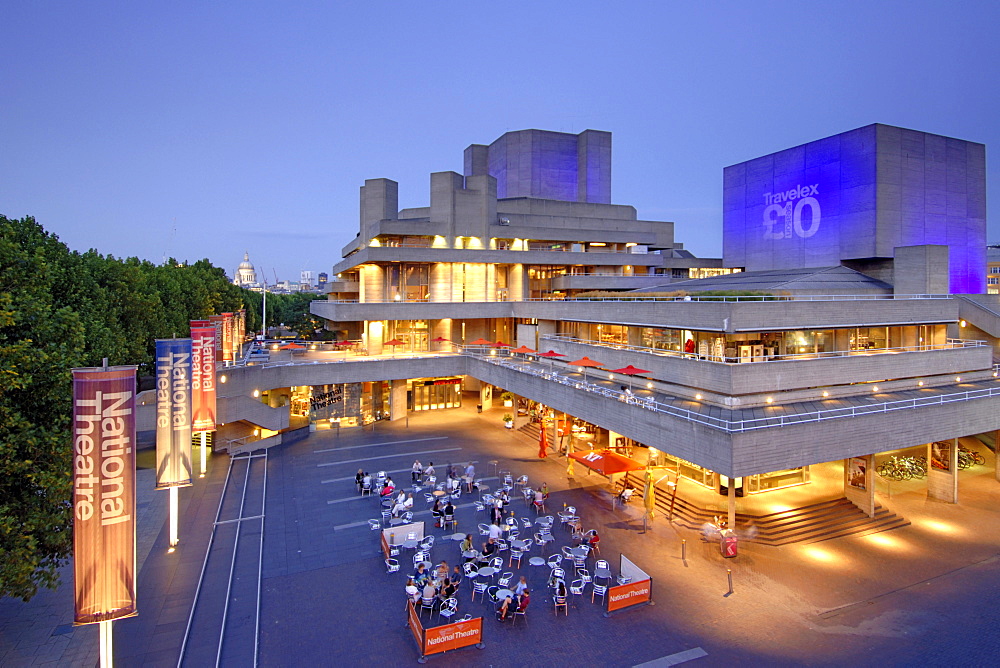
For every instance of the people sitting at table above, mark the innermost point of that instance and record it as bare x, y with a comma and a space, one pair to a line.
489, 549
429, 590
544, 489
448, 589
416, 472
359, 478
441, 572
503, 498
523, 600
366, 481
412, 591
429, 471
421, 576
457, 577
389, 487
496, 512
578, 533
467, 543
592, 538
521, 586
504, 609
449, 508
437, 513
560, 588
403, 506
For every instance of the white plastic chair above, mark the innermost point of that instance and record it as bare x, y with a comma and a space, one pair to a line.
598, 590
391, 565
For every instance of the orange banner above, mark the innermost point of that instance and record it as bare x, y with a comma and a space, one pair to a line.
203, 345
227, 337
632, 593
452, 636
104, 493
415, 627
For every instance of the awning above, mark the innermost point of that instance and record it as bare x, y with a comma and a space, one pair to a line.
606, 462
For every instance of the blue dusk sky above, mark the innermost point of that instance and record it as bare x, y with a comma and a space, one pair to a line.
212, 128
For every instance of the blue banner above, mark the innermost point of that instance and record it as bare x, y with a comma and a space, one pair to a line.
173, 413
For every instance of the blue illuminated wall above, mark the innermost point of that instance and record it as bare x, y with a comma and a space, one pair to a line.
857, 196
546, 165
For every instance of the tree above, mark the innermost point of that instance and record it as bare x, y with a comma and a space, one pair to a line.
39, 344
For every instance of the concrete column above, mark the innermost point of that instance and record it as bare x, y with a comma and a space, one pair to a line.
515, 283
475, 283
397, 399
732, 503
909, 336
634, 335
859, 483
491, 282
942, 480
374, 336
439, 289
458, 273
996, 454
440, 328
374, 283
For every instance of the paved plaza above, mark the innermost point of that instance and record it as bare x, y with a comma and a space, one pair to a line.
921, 594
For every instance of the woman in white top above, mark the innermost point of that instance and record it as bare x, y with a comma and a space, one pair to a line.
520, 586
412, 591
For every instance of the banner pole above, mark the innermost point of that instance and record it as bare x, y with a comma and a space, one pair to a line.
107, 660
204, 452
173, 517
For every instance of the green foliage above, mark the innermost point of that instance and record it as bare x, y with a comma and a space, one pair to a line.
293, 311
61, 309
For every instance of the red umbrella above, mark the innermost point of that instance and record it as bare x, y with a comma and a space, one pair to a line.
440, 339
586, 362
551, 354
630, 371
500, 344
543, 442
344, 343
291, 346
394, 343
481, 342
524, 349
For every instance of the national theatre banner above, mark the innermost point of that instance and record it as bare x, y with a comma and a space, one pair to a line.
104, 493
173, 413
203, 344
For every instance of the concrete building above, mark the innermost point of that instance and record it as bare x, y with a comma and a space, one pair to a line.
842, 353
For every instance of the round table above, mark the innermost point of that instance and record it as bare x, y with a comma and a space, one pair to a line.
602, 573
484, 488
579, 552
439, 492
396, 521
536, 561
504, 593
471, 554
411, 544
457, 537
487, 571
519, 544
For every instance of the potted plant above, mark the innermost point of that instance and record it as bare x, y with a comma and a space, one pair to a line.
508, 399
508, 420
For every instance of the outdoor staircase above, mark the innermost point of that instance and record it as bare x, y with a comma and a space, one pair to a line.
531, 430
807, 524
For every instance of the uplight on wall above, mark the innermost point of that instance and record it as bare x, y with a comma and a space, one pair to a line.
825, 393
958, 379
256, 393
961, 323
769, 400
649, 386
920, 383
698, 397
875, 388
222, 379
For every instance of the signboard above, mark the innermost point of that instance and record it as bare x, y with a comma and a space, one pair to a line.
173, 413
217, 321
414, 623
633, 593
104, 493
203, 344
452, 636
856, 473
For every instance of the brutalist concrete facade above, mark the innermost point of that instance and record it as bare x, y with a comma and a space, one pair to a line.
854, 198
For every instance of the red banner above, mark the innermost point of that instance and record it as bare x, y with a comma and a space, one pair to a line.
216, 321
227, 337
104, 493
632, 593
203, 344
415, 627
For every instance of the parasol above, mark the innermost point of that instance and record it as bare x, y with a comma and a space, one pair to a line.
584, 363
630, 371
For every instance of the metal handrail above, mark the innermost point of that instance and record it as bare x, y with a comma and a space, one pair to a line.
741, 425
660, 352
632, 297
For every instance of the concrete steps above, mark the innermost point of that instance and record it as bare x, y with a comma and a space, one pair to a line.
812, 523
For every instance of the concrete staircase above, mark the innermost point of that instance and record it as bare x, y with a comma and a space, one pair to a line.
808, 524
